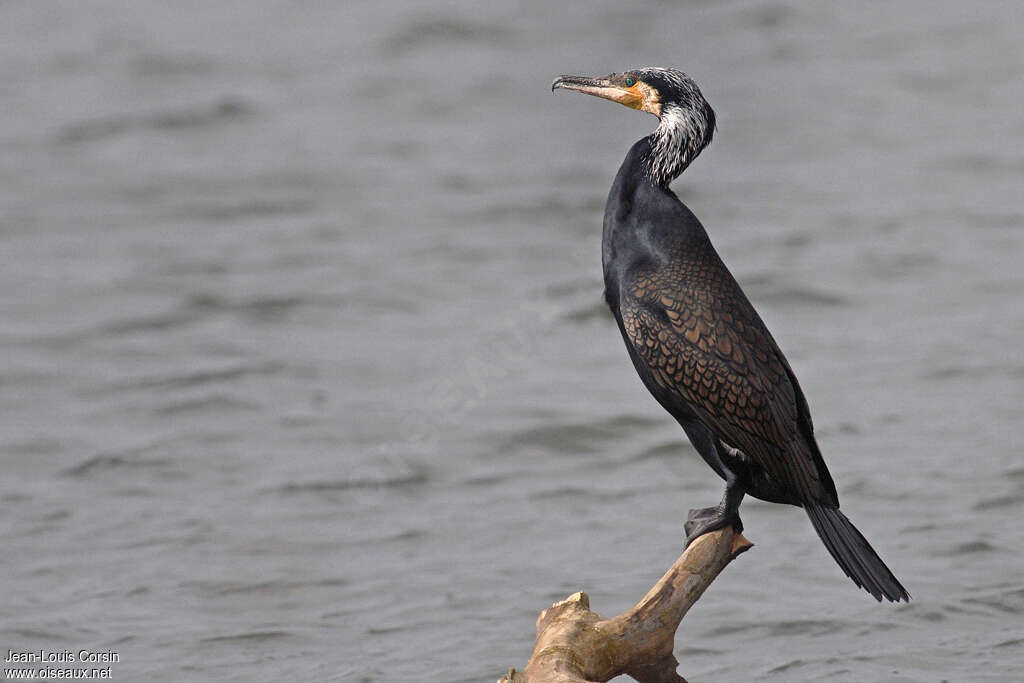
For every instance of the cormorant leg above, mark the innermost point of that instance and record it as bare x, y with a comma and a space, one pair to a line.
727, 512
730, 464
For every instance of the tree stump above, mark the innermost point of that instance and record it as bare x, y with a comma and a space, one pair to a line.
575, 645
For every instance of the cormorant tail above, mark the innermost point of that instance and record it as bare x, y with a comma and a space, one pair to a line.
854, 554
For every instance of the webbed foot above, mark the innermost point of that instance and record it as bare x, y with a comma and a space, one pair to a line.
703, 520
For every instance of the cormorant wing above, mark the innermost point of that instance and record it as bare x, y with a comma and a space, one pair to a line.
704, 344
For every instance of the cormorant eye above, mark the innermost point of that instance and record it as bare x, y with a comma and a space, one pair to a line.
630, 81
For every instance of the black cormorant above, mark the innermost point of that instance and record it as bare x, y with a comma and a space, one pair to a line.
695, 339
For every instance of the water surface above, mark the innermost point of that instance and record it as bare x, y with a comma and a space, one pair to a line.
307, 374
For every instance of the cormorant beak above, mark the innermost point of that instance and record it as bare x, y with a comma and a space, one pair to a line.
633, 97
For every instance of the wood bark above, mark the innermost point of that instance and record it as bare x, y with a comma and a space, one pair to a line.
575, 645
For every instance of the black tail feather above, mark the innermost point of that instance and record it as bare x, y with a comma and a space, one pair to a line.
854, 554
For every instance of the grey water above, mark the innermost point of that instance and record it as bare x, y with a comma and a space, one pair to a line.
306, 373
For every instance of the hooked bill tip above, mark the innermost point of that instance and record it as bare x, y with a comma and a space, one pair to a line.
563, 81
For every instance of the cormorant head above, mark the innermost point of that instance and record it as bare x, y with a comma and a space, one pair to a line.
687, 122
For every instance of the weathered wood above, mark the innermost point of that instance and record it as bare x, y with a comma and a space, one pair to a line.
575, 645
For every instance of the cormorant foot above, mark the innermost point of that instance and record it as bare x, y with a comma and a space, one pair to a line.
704, 520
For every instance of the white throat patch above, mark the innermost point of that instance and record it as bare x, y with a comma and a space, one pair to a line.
675, 143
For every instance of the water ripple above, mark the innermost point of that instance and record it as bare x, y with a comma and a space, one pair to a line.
444, 31
257, 636
400, 481
1006, 602
670, 450
970, 548
994, 503
274, 587
225, 109
215, 404
577, 437
190, 379
101, 463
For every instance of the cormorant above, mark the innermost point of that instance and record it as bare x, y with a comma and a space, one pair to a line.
695, 339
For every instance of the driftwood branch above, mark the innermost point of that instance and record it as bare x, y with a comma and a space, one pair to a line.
575, 645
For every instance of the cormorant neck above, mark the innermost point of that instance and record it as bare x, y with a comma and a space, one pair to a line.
678, 139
